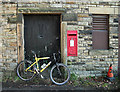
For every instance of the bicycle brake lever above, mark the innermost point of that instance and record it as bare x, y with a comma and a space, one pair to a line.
54, 56
33, 52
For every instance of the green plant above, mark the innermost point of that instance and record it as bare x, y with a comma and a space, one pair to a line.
76, 83
73, 77
0, 79
10, 78
90, 77
16, 79
5, 78
93, 77
105, 85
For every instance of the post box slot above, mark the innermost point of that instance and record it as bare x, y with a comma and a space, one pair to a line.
71, 34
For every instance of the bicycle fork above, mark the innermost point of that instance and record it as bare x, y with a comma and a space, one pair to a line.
39, 72
58, 69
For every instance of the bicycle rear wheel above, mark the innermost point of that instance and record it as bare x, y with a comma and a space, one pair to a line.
59, 74
22, 74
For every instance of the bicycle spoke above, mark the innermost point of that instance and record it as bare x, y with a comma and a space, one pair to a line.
25, 75
60, 75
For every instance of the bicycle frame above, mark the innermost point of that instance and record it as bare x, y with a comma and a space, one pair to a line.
59, 73
36, 62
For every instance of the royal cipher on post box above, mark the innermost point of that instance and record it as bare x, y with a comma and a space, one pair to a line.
71, 43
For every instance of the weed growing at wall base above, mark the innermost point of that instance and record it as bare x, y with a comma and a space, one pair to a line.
1, 75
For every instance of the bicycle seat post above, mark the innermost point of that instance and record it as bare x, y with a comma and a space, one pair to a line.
35, 56
54, 56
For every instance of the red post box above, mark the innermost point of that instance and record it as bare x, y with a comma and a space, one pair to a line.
71, 43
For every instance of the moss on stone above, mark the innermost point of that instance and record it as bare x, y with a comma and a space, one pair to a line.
12, 20
69, 63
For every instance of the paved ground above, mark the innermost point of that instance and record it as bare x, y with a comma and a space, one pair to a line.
8, 87
13, 87
40, 88
75, 85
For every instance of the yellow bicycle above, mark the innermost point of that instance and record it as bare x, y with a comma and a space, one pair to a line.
59, 73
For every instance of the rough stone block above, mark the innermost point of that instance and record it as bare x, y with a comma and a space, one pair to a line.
13, 66
72, 23
1, 75
83, 23
85, 31
83, 15
1, 60
74, 5
0, 56
117, 10
85, 19
1, 64
12, 20
13, 44
19, 18
101, 10
0, 44
66, 5
69, 17
56, 5
100, 52
75, 27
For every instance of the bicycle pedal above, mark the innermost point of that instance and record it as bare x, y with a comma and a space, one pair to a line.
42, 76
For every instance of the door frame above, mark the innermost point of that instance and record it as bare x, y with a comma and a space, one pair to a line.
119, 47
20, 36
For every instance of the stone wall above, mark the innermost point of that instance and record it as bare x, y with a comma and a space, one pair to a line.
78, 16
0, 35
92, 62
8, 34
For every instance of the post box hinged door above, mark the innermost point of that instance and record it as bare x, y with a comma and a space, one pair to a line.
71, 43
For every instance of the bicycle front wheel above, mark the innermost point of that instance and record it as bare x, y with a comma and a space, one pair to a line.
22, 74
59, 74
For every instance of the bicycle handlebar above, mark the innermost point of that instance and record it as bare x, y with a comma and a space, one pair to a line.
33, 52
54, 54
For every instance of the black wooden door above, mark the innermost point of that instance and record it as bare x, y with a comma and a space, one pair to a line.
41, 33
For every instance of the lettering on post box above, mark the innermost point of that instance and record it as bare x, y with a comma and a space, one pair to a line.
72, 43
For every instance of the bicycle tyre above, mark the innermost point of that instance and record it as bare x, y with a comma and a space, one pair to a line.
21, 70
54, 69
